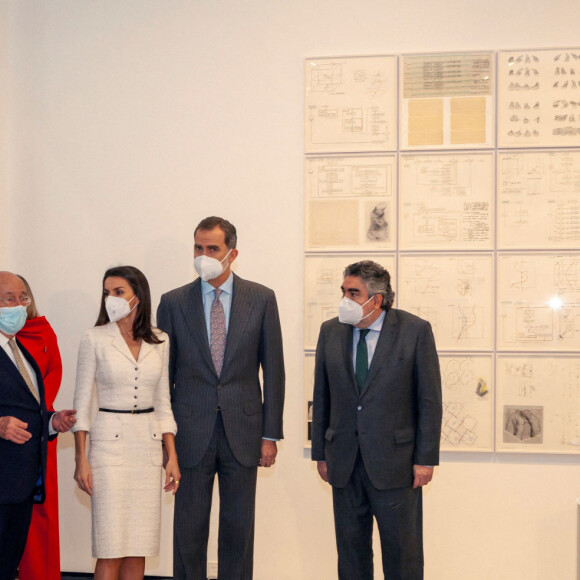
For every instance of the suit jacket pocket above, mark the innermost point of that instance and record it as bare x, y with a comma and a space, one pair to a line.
403, 436
106, 442
252, 407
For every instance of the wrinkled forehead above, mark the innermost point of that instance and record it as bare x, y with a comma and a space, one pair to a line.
10, 284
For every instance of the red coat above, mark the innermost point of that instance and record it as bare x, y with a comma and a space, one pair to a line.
41, 559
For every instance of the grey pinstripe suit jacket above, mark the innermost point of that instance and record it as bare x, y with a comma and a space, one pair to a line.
254, 340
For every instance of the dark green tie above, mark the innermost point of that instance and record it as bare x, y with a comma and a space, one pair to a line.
362, 359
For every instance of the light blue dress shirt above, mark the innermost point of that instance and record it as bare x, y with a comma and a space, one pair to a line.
208, 295
372, 338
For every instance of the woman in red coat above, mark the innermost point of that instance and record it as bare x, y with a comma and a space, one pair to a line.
41, 559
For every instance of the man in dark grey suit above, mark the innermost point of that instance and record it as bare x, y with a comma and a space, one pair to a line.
222, 331
376, 424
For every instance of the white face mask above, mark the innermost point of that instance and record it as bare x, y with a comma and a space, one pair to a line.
209, 268
351, 312
118, 308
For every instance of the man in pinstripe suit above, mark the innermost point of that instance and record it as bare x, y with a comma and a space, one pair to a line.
222, 330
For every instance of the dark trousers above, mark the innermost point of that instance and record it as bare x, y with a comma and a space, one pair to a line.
400, 521
14, 524
237, 489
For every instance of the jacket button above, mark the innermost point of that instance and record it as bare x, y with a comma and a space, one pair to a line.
359, 408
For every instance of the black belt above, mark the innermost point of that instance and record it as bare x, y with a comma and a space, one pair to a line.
132, 412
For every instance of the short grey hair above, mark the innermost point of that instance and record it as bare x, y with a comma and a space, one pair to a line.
376, 279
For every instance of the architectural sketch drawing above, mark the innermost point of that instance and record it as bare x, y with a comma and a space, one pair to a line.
323, 275
467, 322
538, 99
454, 293
467, 402
446, 100
539, 199
538, 302
350, 202
351, 104
354, 176
537, 404
326, 78
446, 201
567, 274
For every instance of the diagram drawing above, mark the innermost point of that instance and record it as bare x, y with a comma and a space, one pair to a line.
350, 202
467, 403
454, 293
538, 98
467, 322
326, 78
538, 403
446, 201
446, 100
538, 197
351, 104
538, 302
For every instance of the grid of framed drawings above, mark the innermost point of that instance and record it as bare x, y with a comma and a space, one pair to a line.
460, 173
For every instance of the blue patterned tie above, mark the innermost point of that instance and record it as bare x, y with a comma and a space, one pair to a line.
217, 331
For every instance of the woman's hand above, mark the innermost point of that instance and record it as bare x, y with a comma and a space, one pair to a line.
172, 476
84, 476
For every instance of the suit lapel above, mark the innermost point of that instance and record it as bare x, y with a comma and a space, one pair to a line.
240, 312
194, 317
345, 332
121, 345
12, 369
385, 344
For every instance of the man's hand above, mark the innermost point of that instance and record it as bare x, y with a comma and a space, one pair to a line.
269, 452
322, 470
423, 475
13, 429
63, 420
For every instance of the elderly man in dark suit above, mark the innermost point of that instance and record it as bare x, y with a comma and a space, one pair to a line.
25, 427
376, 424
222, 331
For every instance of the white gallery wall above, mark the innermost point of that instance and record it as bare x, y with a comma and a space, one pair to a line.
122, 124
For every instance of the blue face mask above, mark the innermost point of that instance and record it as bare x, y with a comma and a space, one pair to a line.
12, 319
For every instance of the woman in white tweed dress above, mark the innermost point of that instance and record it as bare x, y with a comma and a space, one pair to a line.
127, 360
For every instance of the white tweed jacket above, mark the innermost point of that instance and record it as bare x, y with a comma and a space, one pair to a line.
123, 383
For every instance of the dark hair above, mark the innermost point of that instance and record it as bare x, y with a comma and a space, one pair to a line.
31, 310
376, 279
142, 329
229, 230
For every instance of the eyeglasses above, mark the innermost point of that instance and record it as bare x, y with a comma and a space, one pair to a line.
16, 300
